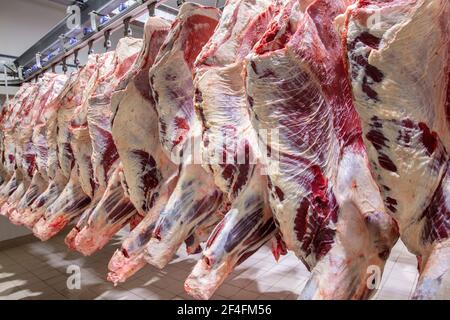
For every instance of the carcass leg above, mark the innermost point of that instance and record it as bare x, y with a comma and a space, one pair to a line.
37, 209
70, 204
130, 258
194, 199
37, 186
11, 203
365, 235
8, 189
434, 280
70, 238
245, 228
109, 216
202, 232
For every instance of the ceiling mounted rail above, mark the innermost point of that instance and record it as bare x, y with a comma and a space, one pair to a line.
61, 42
96, 19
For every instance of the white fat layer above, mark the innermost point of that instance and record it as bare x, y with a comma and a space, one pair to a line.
171, 76
224, 102
235, 18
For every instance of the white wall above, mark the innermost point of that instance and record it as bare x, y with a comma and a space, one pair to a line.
9, 231
23, 22
10, 91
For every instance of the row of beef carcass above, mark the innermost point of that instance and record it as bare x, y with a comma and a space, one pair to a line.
317, 126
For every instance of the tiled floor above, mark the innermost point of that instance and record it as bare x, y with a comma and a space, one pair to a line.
39, 271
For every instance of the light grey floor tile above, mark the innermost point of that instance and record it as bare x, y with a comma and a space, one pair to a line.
39, 271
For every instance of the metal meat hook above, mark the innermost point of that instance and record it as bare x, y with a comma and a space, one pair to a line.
127, 29
107, 43
76, 61
64, 65
90, 45
151, 9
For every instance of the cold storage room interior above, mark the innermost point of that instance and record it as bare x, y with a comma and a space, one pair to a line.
224, 150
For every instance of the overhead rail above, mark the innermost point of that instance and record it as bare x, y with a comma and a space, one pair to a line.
97, 19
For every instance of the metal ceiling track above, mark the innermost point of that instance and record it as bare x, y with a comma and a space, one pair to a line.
61, 42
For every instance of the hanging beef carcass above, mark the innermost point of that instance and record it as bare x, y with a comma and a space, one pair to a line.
72, 201
10, 130
8, 120
82, 145
135, 132
230, 148
114, 209
45, 109
403, 97
134, 125
24, 150
4, 111
326, 203
195, 199
7, 159
57, 179
3, 115
105, 156
171, 75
